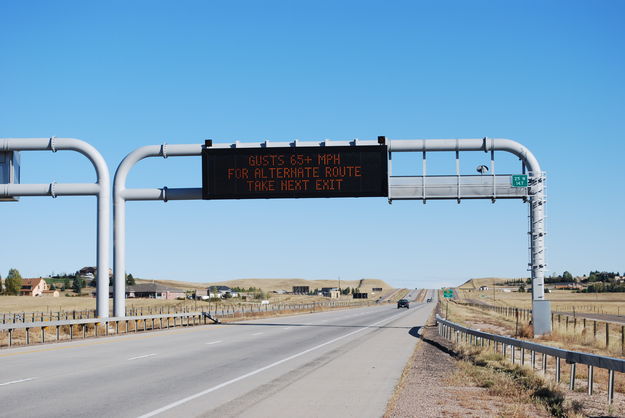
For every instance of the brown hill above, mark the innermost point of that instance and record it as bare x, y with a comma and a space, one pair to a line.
486, 281
365, 285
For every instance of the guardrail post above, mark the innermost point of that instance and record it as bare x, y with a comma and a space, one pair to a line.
43, 334
610, 386
590, 373
533, 360
10, 337
558, 369
572, 377
513, 354
27, 336
522, 356
594, 329
544, 363
84, 331
58, 333
623, 340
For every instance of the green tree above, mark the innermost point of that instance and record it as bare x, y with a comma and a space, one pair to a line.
522, 288
567, 277
65, 284
77, 285
52, 286
130, 281
13, 282
346, 290
1, 289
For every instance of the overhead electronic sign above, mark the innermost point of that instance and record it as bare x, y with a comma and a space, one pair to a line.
294, 172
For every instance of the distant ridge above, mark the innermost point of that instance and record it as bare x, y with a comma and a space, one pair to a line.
486, 281
365, 285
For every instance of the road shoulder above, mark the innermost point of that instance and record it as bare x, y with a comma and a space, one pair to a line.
434, 384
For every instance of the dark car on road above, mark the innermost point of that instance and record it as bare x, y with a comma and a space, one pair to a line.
403, 303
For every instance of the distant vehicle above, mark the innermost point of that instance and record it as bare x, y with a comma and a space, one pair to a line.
429, 300
403, 303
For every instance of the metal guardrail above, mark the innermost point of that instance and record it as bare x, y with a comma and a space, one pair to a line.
179, 319
95, 327
458, 333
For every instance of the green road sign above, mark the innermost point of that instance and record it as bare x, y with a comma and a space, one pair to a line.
448, 293
519, 180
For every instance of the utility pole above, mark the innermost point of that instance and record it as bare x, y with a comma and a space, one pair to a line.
339, 284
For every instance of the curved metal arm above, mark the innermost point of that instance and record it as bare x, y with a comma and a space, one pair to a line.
483, 144
119, 210
101, 191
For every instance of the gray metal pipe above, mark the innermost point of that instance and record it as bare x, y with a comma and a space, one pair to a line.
51, 189
101, 189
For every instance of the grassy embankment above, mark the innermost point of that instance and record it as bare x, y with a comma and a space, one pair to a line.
495, 323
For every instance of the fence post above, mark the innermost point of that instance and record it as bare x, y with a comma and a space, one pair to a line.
623, 340
594, 329
607, 335
610, 386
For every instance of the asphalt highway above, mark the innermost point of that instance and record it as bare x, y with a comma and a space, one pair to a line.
330, 364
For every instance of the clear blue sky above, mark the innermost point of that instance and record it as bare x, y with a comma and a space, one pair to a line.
120, 75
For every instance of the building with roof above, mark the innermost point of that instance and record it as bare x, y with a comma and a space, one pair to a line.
33, 287
151, 291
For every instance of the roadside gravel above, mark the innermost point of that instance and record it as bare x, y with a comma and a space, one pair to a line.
432, 385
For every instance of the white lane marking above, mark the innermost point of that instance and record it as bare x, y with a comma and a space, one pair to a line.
258, 333
262, 369
17, 381
214, 342
138, 357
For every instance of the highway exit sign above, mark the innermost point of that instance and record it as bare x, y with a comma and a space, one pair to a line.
448, 293
519, 180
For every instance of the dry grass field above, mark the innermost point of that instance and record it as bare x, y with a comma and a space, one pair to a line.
561, 300
492, 322
85, 303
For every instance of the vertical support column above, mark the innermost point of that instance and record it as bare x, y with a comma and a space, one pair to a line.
541, 310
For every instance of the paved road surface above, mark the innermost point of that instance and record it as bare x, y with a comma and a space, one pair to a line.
330, 364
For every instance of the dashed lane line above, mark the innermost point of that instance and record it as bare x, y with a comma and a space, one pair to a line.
140, 357
17, 381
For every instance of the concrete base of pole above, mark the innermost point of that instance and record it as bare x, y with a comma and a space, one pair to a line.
541, 317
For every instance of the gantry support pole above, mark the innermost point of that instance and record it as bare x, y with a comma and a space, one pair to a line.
101, 189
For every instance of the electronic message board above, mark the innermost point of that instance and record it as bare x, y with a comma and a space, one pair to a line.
294, 172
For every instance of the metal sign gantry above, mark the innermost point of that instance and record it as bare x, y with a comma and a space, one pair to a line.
424, 187
100, 189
